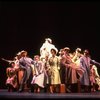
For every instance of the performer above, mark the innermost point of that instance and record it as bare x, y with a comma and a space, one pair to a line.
11, 81
73, 71
55, 74
38, 77
62, 67
25, 64
93, 78
46, 48
85, 62
77, 55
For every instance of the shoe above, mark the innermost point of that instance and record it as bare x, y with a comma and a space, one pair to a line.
20, 90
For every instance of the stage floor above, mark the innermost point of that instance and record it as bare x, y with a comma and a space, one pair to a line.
11, 95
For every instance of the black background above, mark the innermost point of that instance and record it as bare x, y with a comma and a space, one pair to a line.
25, 25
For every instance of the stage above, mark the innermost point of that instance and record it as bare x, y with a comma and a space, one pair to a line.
28, 95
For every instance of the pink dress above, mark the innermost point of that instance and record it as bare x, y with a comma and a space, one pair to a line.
12, 77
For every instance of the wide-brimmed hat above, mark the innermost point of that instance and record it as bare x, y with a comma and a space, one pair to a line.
67, 49
61, 50
55, 49
23, 51
19, 53
86, 51
78, 49
49, 40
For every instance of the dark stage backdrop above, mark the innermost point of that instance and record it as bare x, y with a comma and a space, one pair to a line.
25, 25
